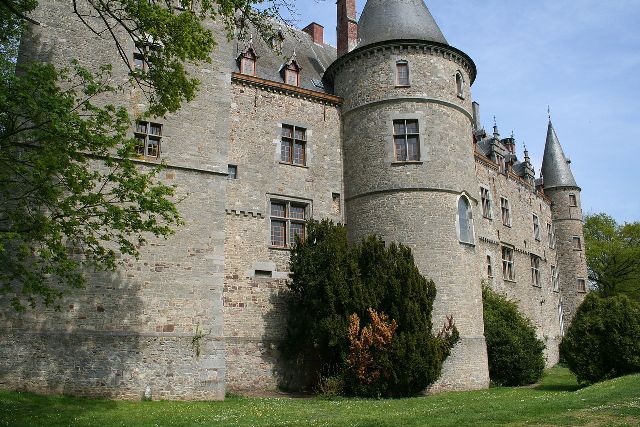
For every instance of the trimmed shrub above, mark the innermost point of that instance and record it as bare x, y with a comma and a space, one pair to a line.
603, 340
331, 281
516, 355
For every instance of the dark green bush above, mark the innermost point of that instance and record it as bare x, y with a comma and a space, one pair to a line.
515, 353
331, 280
603, 340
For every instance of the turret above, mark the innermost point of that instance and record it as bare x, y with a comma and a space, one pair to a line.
560, 186
409, 170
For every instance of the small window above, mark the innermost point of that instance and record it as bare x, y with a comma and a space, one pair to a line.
506, 211
489, 267
149, 137
465, 220
577, 243
582, 285
535, 271
335, 203
459, 85
293, 148
406, 139
561, 318
508, 272
402, 73
232, 171
288, 220
551, 236
536, 227
485, 196
555, 279
139, 63
292, 74
573, 201
248, 63
502, 167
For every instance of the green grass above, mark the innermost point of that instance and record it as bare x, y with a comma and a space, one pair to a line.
556, 401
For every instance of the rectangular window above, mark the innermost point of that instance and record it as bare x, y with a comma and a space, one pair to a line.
508, 272
288, 220
506, 211
536, 227
489, 267
573, 202
406, 140
555, 280
335, 203
582, 285
402, 72
551, 236
577, 243
502, 168
535, 271
485, 196
149, 136
232, 171
139, 64
293, 145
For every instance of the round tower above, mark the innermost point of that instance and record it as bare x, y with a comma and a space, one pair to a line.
409, 167
560, 186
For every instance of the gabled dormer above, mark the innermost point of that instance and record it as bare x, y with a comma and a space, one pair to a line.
290, 71
247, 59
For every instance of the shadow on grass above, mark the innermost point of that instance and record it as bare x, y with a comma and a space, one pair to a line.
559, 387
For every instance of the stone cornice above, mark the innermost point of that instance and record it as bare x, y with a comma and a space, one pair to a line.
416, 99
433, 48
277, 87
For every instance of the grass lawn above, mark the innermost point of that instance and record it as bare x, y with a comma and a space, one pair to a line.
557, 401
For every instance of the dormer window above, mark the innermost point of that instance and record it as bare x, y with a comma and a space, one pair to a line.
248, 62
459, 85
291, 71
502, 167
402, 73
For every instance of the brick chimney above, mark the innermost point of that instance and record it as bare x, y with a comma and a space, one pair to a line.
316, 31
347, 29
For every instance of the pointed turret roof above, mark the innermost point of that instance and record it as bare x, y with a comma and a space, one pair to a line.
384, 20
555, 166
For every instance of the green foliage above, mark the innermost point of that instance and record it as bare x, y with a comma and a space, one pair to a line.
515, 353
331, 280
72, 201
613, 255
72, 198
603, 340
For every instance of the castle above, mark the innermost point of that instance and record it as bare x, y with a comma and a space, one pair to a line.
380, 134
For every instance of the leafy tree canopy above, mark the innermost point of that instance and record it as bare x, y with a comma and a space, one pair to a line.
613, 255
71, 198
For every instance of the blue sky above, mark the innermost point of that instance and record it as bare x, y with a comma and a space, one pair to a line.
581, 57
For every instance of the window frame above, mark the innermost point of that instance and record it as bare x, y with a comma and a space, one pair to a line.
248, 56
459, 85
536, 276
292, 142
555, 279
501, 162
505, 208
551, 235
292, 69
578, 240
231, 168
403, 64
581, 285
487, 202
489, 266
536, 228
143, 138
406, 135
288, 220
469, 220
508, 264
573, 200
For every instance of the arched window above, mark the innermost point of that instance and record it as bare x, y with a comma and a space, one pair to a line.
465, 220
402, 73
459, 85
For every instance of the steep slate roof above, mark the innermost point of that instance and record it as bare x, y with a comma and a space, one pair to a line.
555, 167
383, 20
313, 58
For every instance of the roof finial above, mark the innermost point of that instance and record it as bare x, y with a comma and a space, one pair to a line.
549, 112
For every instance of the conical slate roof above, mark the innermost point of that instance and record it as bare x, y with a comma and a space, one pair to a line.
555, 167
383, 20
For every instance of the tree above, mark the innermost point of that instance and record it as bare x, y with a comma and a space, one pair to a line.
331, 281
71, 198
603, 340
613, 255
515, 353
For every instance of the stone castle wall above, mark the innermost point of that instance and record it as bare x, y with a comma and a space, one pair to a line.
538, 303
